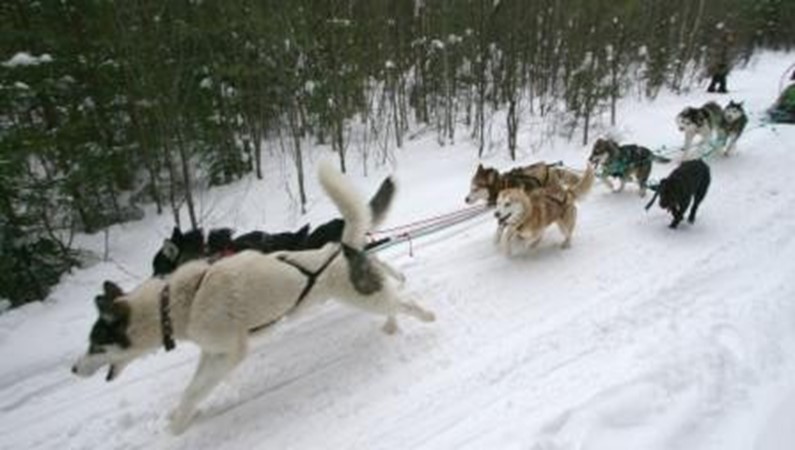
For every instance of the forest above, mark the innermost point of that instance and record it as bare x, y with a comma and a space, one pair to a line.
107, 105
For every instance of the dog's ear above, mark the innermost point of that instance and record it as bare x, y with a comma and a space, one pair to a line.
176, 234
303, 232
105, 301
111, 290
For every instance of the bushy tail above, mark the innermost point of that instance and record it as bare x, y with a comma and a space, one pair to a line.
359, 216
382, 200
584, 186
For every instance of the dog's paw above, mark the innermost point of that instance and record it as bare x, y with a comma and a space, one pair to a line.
179, 421
565, 244
427, 316
390, 326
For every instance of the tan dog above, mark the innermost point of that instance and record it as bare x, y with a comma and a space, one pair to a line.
525, 215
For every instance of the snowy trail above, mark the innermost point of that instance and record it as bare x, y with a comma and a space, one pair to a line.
636, 337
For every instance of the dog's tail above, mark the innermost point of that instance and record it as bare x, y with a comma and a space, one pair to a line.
660, 159
584, 186
359, 216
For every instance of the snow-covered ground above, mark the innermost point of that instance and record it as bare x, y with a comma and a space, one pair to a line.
638, 337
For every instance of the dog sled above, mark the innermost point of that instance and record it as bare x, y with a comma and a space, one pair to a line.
783, 110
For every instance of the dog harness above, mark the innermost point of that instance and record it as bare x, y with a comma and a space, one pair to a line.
311, 279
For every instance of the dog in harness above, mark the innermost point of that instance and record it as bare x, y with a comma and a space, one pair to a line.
218, 306
625, 162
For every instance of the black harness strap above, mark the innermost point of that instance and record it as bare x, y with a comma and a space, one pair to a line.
311, 277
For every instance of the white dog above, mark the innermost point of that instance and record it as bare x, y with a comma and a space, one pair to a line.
219, 305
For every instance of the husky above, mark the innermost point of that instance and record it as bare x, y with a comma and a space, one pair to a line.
689, 181
734, 122
525, 215
217, 306
704, 121
623, 162
487, 182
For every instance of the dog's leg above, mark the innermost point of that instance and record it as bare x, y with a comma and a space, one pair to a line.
498, 234
697, 198
389, 303
623, 182
212, 368
505, 242
607, 182
678, 212
389, 270
732, 140
535, 239
689, 135
566, 225
643, 178
411, 308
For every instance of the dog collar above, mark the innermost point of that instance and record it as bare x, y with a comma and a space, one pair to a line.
166, 326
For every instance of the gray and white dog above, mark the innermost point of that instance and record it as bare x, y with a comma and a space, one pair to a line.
704, 121
719, 128
218, 306
732, 126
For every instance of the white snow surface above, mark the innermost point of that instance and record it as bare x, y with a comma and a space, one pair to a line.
637, 337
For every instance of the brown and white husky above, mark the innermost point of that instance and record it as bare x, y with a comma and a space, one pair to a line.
525, 215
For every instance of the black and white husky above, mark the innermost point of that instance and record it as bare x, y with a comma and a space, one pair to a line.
217, 306
704, 121
734, 122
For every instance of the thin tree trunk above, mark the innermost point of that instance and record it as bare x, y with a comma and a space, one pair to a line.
295, 132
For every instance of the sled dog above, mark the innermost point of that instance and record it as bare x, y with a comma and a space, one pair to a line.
704, 121
487, 182
732, 126
525, 215
624, 162
217, 306
687, 182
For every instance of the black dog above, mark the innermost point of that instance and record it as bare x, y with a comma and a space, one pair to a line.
271, 242
688, 181
184, 247
178, 249
330, 231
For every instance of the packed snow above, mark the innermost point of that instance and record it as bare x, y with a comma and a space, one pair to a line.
637, 337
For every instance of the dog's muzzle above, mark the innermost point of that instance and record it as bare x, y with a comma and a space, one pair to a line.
87, 365
501, 220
